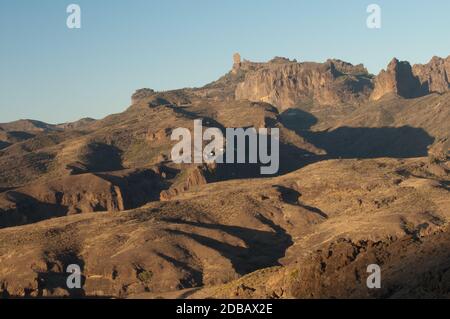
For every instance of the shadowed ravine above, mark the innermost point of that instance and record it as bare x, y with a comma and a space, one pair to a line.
263, 248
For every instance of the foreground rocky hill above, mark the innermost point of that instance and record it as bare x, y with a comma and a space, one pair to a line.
310, 233
364, 178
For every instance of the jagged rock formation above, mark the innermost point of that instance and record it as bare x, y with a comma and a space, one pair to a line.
85, 193
397, 79
196, 176
236, 63
360, 182
286, 83
421, 79
434, 76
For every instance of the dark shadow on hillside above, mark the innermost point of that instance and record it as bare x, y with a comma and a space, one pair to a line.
361, 142
291, 158
139, 187
56, 276
288, 195
4, 145
17, 136
445, 185
298, 120
263, 248
343, 142
292, 197
206, 121
5, 189
348, 142
29, 210
195, 278
97, 157
101, 157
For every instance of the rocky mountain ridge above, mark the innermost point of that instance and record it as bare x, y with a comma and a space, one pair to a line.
413, 81
364, 178
285, 83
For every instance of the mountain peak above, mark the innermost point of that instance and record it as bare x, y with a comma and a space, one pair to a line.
409, 81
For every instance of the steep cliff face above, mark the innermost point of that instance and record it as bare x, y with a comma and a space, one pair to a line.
435, 75
286, 83
398, 78
77, 194
71, 195
408, 81
194, 177
354, 188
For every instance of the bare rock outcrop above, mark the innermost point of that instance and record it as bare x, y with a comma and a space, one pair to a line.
398, 78
236, 63
196, 176
77, 194
402, 79
141, 94
285, 83
67, 196
434, 76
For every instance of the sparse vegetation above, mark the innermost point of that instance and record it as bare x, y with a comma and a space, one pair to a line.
355, 187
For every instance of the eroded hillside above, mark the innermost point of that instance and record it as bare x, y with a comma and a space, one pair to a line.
364, 178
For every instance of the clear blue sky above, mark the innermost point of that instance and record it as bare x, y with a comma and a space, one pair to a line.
54, 74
